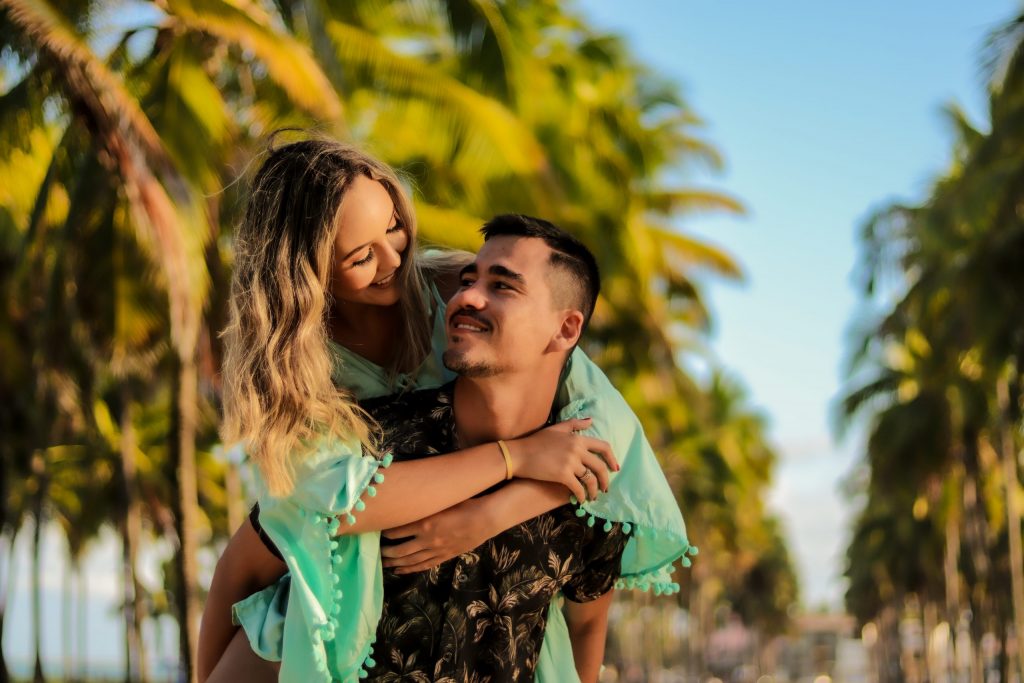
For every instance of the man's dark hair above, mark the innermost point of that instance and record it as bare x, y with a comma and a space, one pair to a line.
568, 255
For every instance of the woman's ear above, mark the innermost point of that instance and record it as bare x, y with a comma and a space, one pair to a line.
568, 333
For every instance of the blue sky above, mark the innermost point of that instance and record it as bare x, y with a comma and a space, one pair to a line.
822, 110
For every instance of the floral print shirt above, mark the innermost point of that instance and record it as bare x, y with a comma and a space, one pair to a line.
480, 617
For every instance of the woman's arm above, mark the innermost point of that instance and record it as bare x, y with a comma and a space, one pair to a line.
419, 488
245, 567
464, 526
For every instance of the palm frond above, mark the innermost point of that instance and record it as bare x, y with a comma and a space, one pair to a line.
696, 253
691, 201
487, 130
448, 227
130, 145
289, 63
484, 44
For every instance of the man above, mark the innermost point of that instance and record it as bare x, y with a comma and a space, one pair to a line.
518, 314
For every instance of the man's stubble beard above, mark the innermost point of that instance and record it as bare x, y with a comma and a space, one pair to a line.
456, 362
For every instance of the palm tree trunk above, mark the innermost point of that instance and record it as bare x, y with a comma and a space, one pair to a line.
977, 631
8, 454
39, 474
66, 618
1013, 514
135, 664
891, 645
1004, 657
5, 675
183, 456
951, 577
83, 624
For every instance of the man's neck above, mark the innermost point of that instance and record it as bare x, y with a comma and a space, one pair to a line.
502, 407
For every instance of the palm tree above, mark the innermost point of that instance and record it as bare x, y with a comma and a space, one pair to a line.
953, 338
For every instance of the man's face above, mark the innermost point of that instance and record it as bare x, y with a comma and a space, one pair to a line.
502, 318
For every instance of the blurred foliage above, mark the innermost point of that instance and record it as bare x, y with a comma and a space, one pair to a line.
936, 374
127, 133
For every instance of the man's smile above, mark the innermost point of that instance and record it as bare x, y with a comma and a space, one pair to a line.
468, 322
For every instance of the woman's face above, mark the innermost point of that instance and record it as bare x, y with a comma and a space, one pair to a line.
369, 246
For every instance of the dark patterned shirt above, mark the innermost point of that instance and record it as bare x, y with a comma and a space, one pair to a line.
480, 617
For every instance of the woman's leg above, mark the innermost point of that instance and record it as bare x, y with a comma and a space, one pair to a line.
240, 663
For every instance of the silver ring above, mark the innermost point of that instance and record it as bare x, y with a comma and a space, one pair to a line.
587, 472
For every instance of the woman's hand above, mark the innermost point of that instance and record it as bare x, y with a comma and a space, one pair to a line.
437, 538
557, 453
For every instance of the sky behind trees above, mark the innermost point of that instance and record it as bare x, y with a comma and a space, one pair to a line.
823, 111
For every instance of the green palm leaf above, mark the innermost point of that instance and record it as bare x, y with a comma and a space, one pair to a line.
695, 253
489, 134
289, 63
135, 150
448, 227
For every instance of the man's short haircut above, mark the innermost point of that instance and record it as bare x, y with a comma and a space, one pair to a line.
568, 255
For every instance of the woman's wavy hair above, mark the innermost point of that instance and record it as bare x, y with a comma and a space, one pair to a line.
279, 399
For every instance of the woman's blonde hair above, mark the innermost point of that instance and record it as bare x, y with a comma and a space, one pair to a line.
279, 399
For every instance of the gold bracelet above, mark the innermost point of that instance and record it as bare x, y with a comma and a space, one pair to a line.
508, 459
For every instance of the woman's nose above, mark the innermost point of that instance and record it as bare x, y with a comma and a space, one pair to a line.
390, 259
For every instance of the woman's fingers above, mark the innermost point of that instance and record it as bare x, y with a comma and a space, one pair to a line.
408, 560
577, 487
590, 481
420, 567
603, 449
595, 465
402, 549
402, 531
575, 425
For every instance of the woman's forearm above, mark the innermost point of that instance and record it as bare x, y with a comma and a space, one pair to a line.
414, 489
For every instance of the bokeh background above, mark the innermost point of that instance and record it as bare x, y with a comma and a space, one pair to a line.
810, 221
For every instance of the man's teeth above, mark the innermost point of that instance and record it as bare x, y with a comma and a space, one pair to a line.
465, 326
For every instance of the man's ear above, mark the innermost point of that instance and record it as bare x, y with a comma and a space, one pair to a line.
568, 332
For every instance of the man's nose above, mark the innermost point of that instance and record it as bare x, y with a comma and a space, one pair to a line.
471, 296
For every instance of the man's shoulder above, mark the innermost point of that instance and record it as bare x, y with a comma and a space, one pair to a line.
407, 404
417, 422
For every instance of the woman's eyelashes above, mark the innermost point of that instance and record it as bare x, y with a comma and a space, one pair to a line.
366, 259
397, 227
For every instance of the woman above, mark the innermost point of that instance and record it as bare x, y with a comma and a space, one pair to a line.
325, 251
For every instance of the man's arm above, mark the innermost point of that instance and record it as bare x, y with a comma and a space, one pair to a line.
462, 527
588, 629
245, 567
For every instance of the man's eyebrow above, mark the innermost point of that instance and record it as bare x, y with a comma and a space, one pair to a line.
502, 271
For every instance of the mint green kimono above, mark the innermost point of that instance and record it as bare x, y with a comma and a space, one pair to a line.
320, 619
